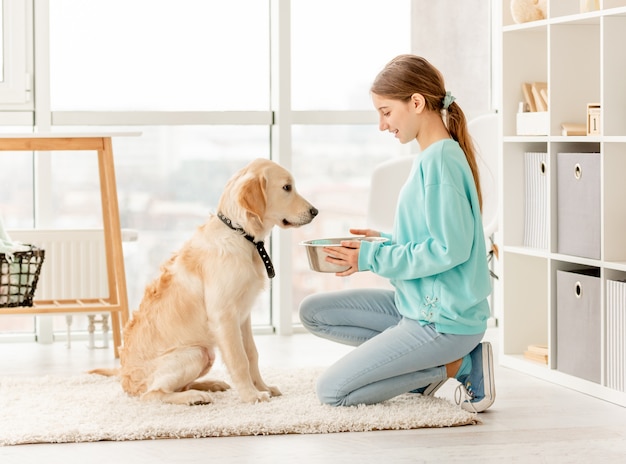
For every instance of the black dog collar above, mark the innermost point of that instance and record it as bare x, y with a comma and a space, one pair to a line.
260, 246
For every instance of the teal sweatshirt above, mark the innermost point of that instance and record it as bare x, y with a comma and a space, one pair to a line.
436, 257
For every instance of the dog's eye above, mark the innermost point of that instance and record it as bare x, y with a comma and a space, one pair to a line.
287, 188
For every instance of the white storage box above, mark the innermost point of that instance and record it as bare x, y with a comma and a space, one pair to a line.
536, 200
533, 123
616, 335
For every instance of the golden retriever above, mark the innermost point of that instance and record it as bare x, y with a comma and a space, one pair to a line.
203, 297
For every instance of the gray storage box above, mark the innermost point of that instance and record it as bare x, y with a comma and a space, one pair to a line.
578, 324
578, 204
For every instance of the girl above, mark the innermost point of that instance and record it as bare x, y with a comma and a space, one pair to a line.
430, 327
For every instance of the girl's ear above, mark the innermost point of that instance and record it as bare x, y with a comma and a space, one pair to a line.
418, 101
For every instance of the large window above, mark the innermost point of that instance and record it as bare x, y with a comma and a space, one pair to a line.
210, 87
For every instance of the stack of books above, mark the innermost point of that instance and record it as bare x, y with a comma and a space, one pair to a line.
532, 115
537, 353
535, 96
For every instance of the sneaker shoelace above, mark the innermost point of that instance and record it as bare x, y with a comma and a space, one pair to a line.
461, 394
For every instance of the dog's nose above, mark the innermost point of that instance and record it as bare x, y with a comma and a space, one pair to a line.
314, 212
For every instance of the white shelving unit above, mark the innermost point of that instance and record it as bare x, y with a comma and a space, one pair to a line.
582, 57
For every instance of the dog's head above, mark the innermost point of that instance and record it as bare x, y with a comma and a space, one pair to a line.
263, 194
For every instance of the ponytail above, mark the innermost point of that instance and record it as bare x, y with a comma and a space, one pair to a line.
457, 126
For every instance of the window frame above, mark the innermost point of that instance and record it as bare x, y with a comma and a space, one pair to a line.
16, 85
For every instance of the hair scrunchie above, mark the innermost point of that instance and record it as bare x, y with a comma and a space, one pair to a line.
447, 100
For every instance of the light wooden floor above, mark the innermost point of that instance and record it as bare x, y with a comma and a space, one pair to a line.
532, 421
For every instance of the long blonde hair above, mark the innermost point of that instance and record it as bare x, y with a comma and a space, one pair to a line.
408, 74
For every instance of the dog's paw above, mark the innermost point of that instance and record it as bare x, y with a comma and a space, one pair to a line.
196, 397
255, 397
210, 385
274, 391
218, 385
189, 397
262, 396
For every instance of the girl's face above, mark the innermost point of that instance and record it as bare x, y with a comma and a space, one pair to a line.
398, 117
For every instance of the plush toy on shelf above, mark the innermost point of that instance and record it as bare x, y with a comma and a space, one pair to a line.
524, 11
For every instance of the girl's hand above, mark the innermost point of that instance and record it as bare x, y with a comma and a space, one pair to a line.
345, 255
366, 232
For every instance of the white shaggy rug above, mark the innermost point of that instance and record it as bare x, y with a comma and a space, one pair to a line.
84, 408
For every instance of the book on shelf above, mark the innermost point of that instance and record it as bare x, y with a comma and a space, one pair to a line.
537, 353
535, 96
570, 128
528, 97
536, 89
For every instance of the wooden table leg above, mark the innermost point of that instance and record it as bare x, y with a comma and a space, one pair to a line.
113, 241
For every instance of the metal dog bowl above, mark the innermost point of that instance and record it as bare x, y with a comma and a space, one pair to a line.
317, 255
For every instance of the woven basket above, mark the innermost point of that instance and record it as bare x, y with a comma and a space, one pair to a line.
18, 277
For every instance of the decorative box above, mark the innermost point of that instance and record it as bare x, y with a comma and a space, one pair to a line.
533, 123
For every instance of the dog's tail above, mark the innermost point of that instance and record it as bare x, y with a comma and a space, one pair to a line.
105, 372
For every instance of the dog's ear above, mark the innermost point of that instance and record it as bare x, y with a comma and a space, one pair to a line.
252, 197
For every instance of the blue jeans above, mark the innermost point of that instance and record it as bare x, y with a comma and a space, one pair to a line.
394, 354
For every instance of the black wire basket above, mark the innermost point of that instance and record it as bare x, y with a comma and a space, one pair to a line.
19, 273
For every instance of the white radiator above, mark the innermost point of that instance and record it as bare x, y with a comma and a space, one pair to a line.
616, 335
74, 266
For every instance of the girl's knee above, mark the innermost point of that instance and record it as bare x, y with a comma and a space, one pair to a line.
330, 401
327, 393
307, 312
